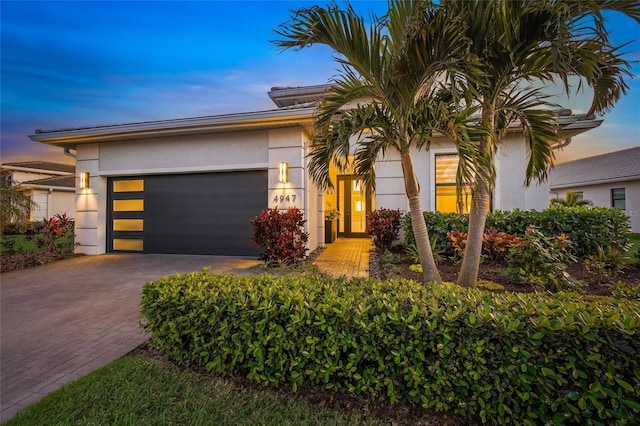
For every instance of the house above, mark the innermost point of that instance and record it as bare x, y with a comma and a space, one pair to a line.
50, 185
191, 185
608, 180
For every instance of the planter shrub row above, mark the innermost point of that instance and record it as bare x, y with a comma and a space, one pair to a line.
500, 358
587, 227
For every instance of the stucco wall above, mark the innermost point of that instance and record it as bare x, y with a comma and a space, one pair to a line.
200, 153
51, 203
600, 195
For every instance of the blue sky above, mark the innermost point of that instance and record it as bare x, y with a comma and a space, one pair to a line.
74, 64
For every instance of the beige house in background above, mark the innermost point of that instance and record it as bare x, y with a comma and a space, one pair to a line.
50, 185
192, 185
608, 180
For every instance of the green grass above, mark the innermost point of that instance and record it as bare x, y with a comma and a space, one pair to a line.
10, 244
141, 390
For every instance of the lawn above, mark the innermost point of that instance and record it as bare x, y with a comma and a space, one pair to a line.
144, 390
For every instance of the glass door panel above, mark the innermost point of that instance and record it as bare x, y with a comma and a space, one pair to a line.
354, 202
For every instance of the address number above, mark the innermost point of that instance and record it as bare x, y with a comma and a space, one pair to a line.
282, 198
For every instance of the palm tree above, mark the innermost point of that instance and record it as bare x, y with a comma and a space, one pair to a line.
389, 93
15, 205
572, 199
515, 46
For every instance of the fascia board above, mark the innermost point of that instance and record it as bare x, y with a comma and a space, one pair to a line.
594, 182
185, 126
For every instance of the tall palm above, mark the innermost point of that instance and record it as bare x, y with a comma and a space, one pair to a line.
517, 45
389, 93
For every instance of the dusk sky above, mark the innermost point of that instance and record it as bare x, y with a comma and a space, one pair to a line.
75, 64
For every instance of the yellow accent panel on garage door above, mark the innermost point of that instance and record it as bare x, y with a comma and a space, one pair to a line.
128, 244
128, 205
128, 225
136, 185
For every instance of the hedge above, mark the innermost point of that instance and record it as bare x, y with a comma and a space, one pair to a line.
500, 358
587, 227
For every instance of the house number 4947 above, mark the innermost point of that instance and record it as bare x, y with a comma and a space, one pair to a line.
282, 198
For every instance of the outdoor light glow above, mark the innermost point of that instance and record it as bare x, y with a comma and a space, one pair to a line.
84, 180
284, 172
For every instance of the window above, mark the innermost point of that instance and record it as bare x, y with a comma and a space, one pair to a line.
446, 196
618, 198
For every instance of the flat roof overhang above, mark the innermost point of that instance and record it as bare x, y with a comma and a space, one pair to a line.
69, 138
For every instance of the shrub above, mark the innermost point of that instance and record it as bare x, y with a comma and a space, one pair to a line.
281, 234
383, 226
495, 245
501, 358
587, 228
542, 260
57, 235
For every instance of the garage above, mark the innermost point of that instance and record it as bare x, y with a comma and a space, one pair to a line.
197, 213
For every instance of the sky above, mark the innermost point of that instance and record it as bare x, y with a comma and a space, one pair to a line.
86, 63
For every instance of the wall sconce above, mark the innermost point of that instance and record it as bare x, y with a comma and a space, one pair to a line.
284, 172
84, 180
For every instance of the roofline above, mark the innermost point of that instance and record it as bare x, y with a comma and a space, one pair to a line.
594, 182
33, 170
27, 186
175, 127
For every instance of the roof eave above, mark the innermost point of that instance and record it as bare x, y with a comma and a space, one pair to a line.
178, 127
594, 182
27, 186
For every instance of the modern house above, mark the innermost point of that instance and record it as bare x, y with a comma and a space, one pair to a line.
191, 185
608, 180
50, 185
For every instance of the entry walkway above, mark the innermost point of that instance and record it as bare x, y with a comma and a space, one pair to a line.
346, 256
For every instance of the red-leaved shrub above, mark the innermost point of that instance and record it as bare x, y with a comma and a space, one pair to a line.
383, 226
281, 234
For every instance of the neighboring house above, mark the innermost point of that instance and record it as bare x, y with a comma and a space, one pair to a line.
608, 180
50, 185
191, 185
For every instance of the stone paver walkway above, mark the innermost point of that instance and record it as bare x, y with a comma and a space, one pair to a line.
60, 321
346, 256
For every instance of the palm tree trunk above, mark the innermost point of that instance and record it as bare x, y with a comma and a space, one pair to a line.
473, 251
429, 269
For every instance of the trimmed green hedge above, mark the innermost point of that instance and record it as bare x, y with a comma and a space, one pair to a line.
503, 358
588, 228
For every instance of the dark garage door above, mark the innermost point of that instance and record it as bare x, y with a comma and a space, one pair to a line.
201, 213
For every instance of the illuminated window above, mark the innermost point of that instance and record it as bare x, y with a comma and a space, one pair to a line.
128, 245
446, 195
128, 205
128, 185
128, 225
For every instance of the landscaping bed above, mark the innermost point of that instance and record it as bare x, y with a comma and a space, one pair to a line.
593, 284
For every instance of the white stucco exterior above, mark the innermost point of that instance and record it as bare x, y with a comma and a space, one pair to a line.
257, 141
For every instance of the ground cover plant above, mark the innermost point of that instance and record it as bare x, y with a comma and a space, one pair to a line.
497, 358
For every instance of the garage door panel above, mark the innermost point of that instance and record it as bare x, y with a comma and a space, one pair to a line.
206, 213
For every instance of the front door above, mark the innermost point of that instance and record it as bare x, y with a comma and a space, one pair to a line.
354, 202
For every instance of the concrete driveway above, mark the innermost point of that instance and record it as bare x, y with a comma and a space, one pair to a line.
60, 321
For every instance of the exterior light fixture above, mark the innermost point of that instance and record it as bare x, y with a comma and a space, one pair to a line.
84, 180
284, 172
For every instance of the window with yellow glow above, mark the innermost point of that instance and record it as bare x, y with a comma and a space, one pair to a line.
446, 195
128, 245
136, 185
128, 205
